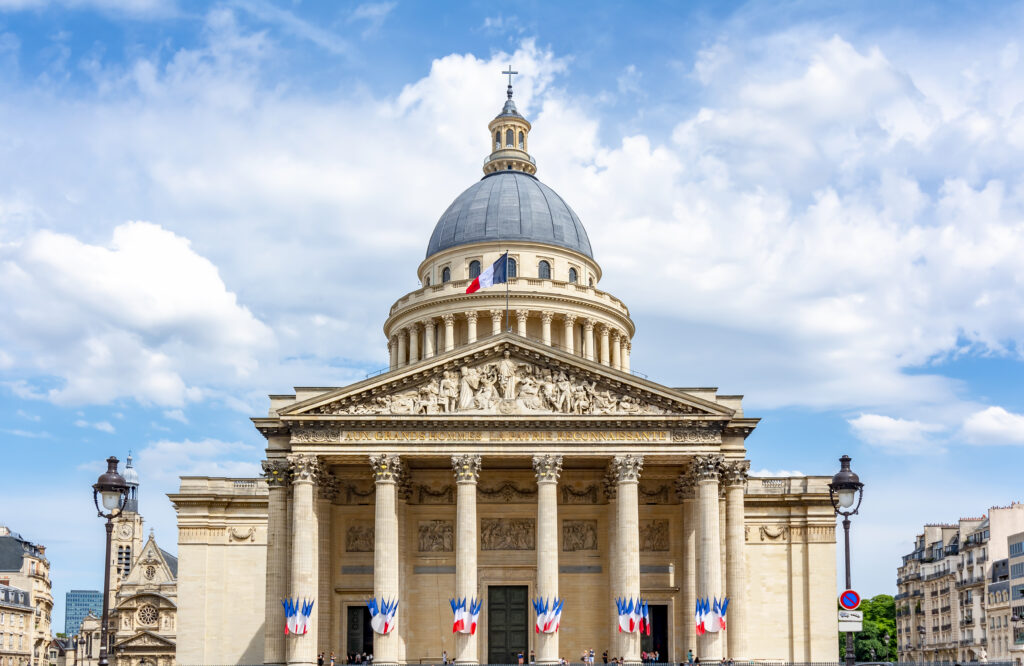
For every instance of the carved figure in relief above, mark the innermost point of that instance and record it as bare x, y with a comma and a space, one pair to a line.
579, 535
503, 387
436, 536
359, 539
507, 534
653, 535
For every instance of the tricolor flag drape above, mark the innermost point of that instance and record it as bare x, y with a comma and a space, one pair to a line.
465, 619
549, 615
634, 615
496, 273
710, 615
296, 615
383, 615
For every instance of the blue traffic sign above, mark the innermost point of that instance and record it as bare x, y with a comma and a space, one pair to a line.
849, 600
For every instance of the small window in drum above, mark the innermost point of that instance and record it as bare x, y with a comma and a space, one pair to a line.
573, 276
544, 270
474, 269
446, 274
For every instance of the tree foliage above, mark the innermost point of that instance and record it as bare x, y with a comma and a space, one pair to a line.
879, 622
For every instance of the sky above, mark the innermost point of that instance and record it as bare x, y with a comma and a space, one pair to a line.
817, 205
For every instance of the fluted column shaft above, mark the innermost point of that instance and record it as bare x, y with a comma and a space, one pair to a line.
545, 327
734, 476
471, 326
626, 469
467, 473
521, 316
611, 491
328, 490
496, 317
304, 469
709, 578
686, 489
414, 343
569, 337
277, 475
393, 352
403, 348
616, 351
387, 471
449, 332
428, 338
588, 340
605, 356
626, 348
547, 469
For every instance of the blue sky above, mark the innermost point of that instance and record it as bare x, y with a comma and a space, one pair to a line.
817, 205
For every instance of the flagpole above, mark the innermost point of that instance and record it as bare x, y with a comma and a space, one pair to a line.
508, 324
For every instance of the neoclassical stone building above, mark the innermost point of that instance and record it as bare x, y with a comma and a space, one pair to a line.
508, 453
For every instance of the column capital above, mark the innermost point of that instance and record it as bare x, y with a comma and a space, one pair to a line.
466, 467
547, 468
428, 323
569, 319
328, 486
304, 468
394, 339
616, 335
448, 319
403, 335
626, 468
546, 316
707, 467
387, 468
497, 314
277, 472
603, 328
521, 315
609, 484
734, 472
471, 316
588, 325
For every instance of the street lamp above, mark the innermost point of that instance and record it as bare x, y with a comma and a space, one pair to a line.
845, 490
111, 491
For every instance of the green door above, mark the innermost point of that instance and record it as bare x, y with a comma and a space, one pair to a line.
507, 623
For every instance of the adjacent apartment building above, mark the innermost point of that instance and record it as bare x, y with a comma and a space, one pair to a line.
15, 627
23, 565
955, 598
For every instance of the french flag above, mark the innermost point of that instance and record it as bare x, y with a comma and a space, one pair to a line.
496, 273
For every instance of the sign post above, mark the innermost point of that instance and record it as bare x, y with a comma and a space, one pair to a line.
850, 619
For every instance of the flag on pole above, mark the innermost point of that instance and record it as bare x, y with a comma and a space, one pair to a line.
474, 616
383, 616
496, 273
459, 612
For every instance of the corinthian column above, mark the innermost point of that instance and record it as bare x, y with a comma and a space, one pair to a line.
616, 351
277, 474
605, 358
706, 470
569, 336
734, 476
403, 347
393, 353
545, 326
626, 470
686, 490
588, 339
521, 316
304, 469
627, 347
328, 488
449, 331
467, 473
428, 338
471, 326
387, 470
414, 343
547, 469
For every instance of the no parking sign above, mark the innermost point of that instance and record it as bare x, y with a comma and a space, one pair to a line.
849, 600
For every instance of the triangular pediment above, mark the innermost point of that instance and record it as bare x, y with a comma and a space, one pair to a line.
505, 375
147, 639
150, 567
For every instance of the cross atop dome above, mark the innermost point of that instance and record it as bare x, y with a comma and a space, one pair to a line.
510, 131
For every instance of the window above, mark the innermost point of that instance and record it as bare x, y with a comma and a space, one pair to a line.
591, 282
522, 141
1017, 548
573, 276
510, 138
428, 282
511, 267
497, 140
446, 275
474, 269
544, 270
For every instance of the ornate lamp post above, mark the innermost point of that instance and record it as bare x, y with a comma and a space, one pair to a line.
846, 491
111, 491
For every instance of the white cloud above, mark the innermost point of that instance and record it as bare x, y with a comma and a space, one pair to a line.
31, 417
776, 473
164, 461
895, 434
175, 415
102, 426
994, 425
373, 14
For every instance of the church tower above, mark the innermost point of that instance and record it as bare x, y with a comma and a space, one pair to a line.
126, 540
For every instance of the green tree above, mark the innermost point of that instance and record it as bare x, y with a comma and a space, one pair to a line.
879, 623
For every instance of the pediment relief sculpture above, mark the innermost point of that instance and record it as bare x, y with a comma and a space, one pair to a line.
505, 386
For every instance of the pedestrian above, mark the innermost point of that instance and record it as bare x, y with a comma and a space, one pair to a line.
604, 657
689, 656
320, 659
519, 657
332, 657
444, 656
591, 656
533, 657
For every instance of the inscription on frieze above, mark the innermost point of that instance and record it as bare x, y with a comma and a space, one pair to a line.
508, 534
336, 435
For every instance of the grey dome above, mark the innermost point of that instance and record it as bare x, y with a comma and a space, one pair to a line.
509, 206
